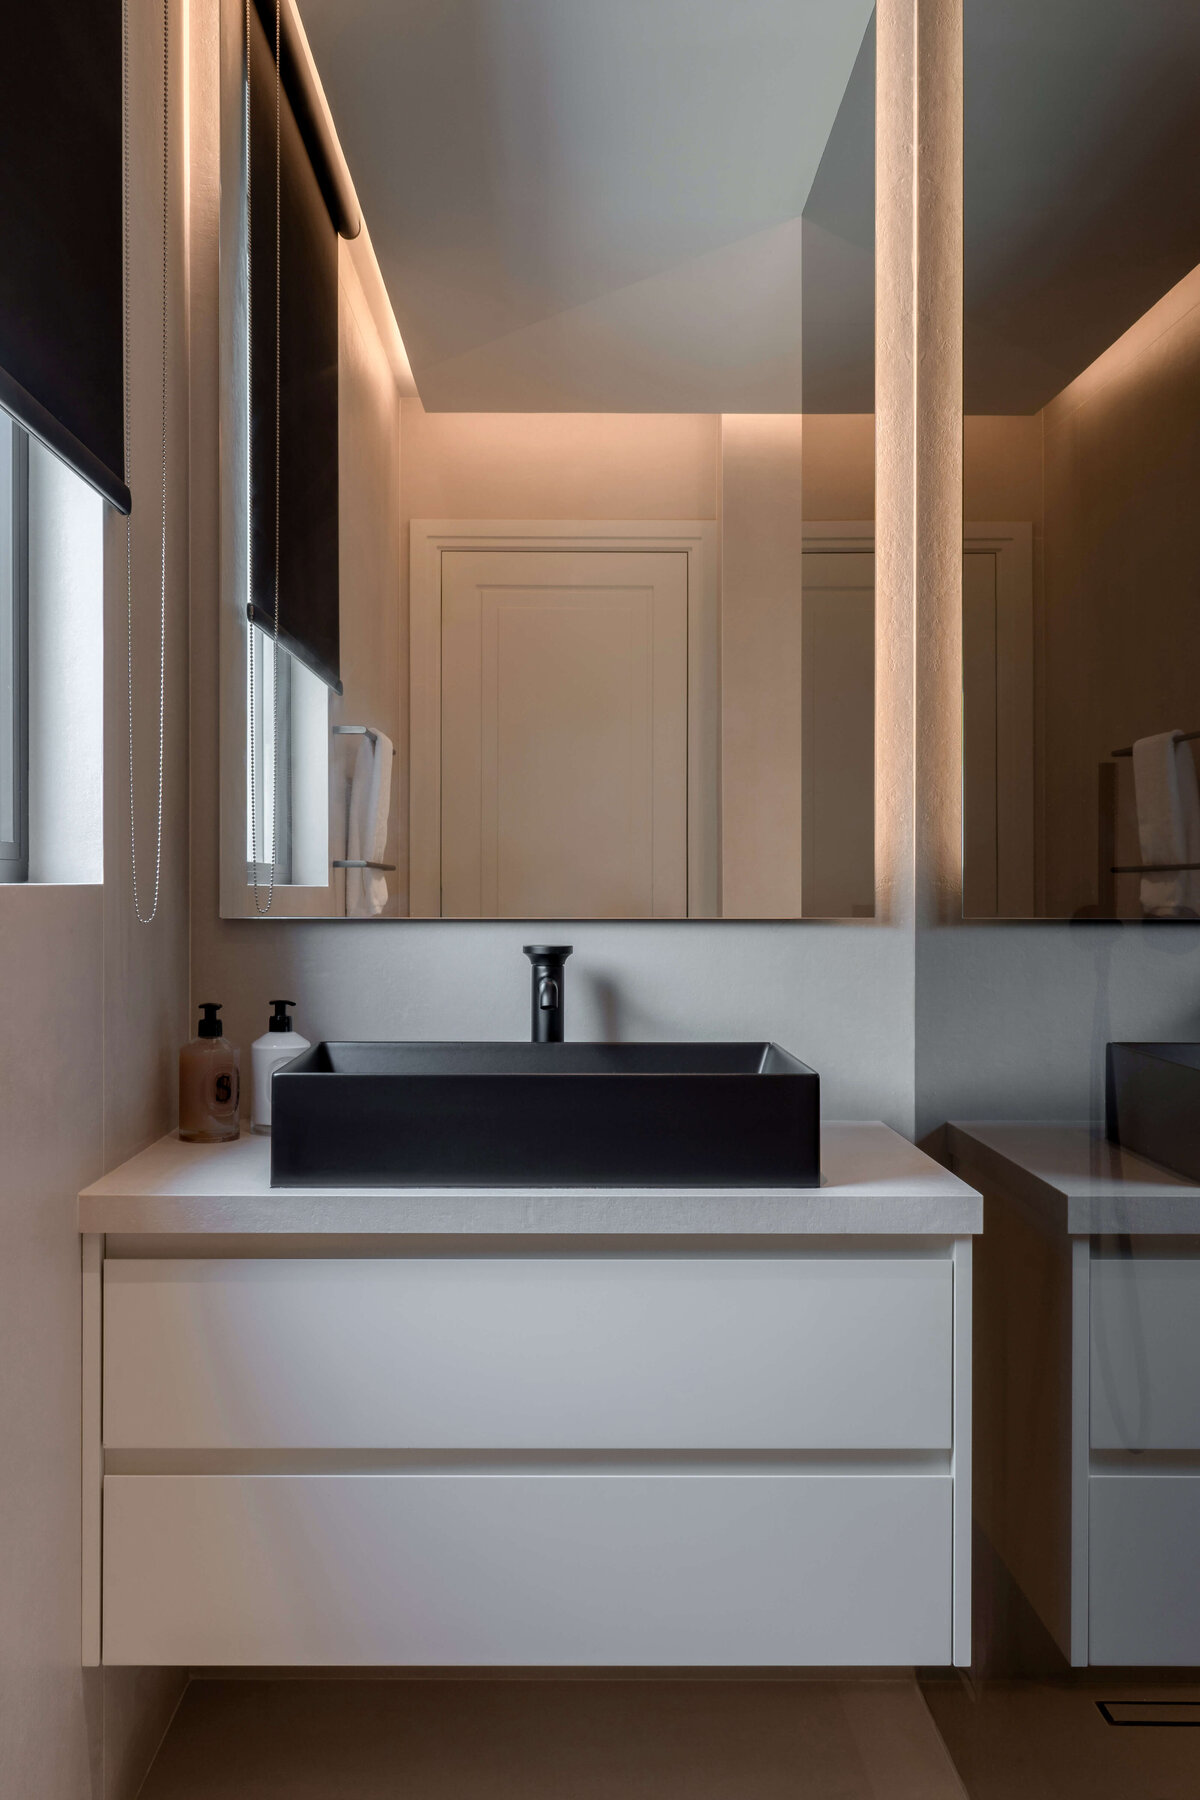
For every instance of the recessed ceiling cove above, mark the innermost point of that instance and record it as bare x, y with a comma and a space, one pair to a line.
590, 205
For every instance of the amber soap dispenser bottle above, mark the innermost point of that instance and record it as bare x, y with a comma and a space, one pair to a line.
209, 1086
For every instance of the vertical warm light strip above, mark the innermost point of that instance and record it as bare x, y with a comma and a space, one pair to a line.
895, 455
937, 770
918, 530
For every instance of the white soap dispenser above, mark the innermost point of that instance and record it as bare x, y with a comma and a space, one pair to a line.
278, 1045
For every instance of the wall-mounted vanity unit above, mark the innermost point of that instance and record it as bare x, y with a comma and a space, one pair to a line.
1087, 1491
507, 1427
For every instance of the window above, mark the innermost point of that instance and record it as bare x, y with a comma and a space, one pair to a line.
51, 666
288, 764
14, 651
268, 759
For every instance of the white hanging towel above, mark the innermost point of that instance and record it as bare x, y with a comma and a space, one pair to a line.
1168, 816
367, 827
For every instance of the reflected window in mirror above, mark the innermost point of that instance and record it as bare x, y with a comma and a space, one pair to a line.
287, 753
1081, 630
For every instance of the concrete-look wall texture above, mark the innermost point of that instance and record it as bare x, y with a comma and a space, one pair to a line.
94, 1006
913, 1018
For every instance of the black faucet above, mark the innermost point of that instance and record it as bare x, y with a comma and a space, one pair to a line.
548, 990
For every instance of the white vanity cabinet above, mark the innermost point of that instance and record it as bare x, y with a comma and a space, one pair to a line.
1088, 1383
611, 1430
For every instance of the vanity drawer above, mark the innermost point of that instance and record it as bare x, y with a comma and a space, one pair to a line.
529, 1353
1145, 1362
1144, 1573
517, 1568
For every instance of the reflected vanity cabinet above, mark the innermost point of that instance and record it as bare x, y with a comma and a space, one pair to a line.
522, 1429
1087, 1402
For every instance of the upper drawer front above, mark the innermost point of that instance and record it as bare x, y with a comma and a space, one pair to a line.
1145, 1383
540, 1353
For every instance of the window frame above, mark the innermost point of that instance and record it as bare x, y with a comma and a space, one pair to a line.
14, 656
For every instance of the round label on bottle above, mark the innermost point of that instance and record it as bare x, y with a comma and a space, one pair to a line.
223, 1092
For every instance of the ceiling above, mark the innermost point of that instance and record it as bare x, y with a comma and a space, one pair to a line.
667, 205
1082, 182
597, 206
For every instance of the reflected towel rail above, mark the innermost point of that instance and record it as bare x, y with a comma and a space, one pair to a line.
346, 862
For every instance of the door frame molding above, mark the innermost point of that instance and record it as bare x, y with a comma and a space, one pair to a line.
1018, 865
428, 540
1020, 876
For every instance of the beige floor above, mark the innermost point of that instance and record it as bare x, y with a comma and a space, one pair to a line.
1046, 1740
570, 1740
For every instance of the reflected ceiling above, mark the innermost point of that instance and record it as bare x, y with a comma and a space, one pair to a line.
1082, 181
582, 206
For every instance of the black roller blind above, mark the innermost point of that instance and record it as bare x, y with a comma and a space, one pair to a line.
308, 382
61, 232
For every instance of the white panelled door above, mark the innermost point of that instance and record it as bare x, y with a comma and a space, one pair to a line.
564, 734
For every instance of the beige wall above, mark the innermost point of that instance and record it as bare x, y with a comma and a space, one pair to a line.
1002, 469
94, 1009
558, 465
1120, 625
761, 564
839, 466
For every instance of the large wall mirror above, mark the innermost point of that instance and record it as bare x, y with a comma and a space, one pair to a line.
548, 504
1081, 579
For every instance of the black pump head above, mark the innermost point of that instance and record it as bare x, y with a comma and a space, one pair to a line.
281, 1018
210, 1025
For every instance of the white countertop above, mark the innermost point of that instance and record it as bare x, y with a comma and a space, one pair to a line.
875, 1183
1076, 1180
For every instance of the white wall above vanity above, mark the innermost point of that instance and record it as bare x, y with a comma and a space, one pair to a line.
521, 1428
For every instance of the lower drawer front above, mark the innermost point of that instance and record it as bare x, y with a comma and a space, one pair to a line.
519, 1568
1144, 1569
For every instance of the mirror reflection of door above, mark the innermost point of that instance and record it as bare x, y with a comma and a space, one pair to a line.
564, 734
998, 822
838, 715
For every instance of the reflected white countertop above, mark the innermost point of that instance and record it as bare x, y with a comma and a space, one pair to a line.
1076, 1181
875, 1184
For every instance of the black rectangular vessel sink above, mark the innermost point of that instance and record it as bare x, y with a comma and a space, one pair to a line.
545, 1115
1153, 1103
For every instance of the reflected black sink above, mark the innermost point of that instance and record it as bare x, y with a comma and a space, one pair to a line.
545, 1115
1153, 1103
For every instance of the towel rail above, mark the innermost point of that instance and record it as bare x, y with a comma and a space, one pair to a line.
1152, 868
1185, 737
347, 862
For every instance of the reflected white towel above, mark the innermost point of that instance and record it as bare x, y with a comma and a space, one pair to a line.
367, 827
1168, 816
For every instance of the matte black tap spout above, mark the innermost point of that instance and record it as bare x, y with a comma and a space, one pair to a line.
549, 996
